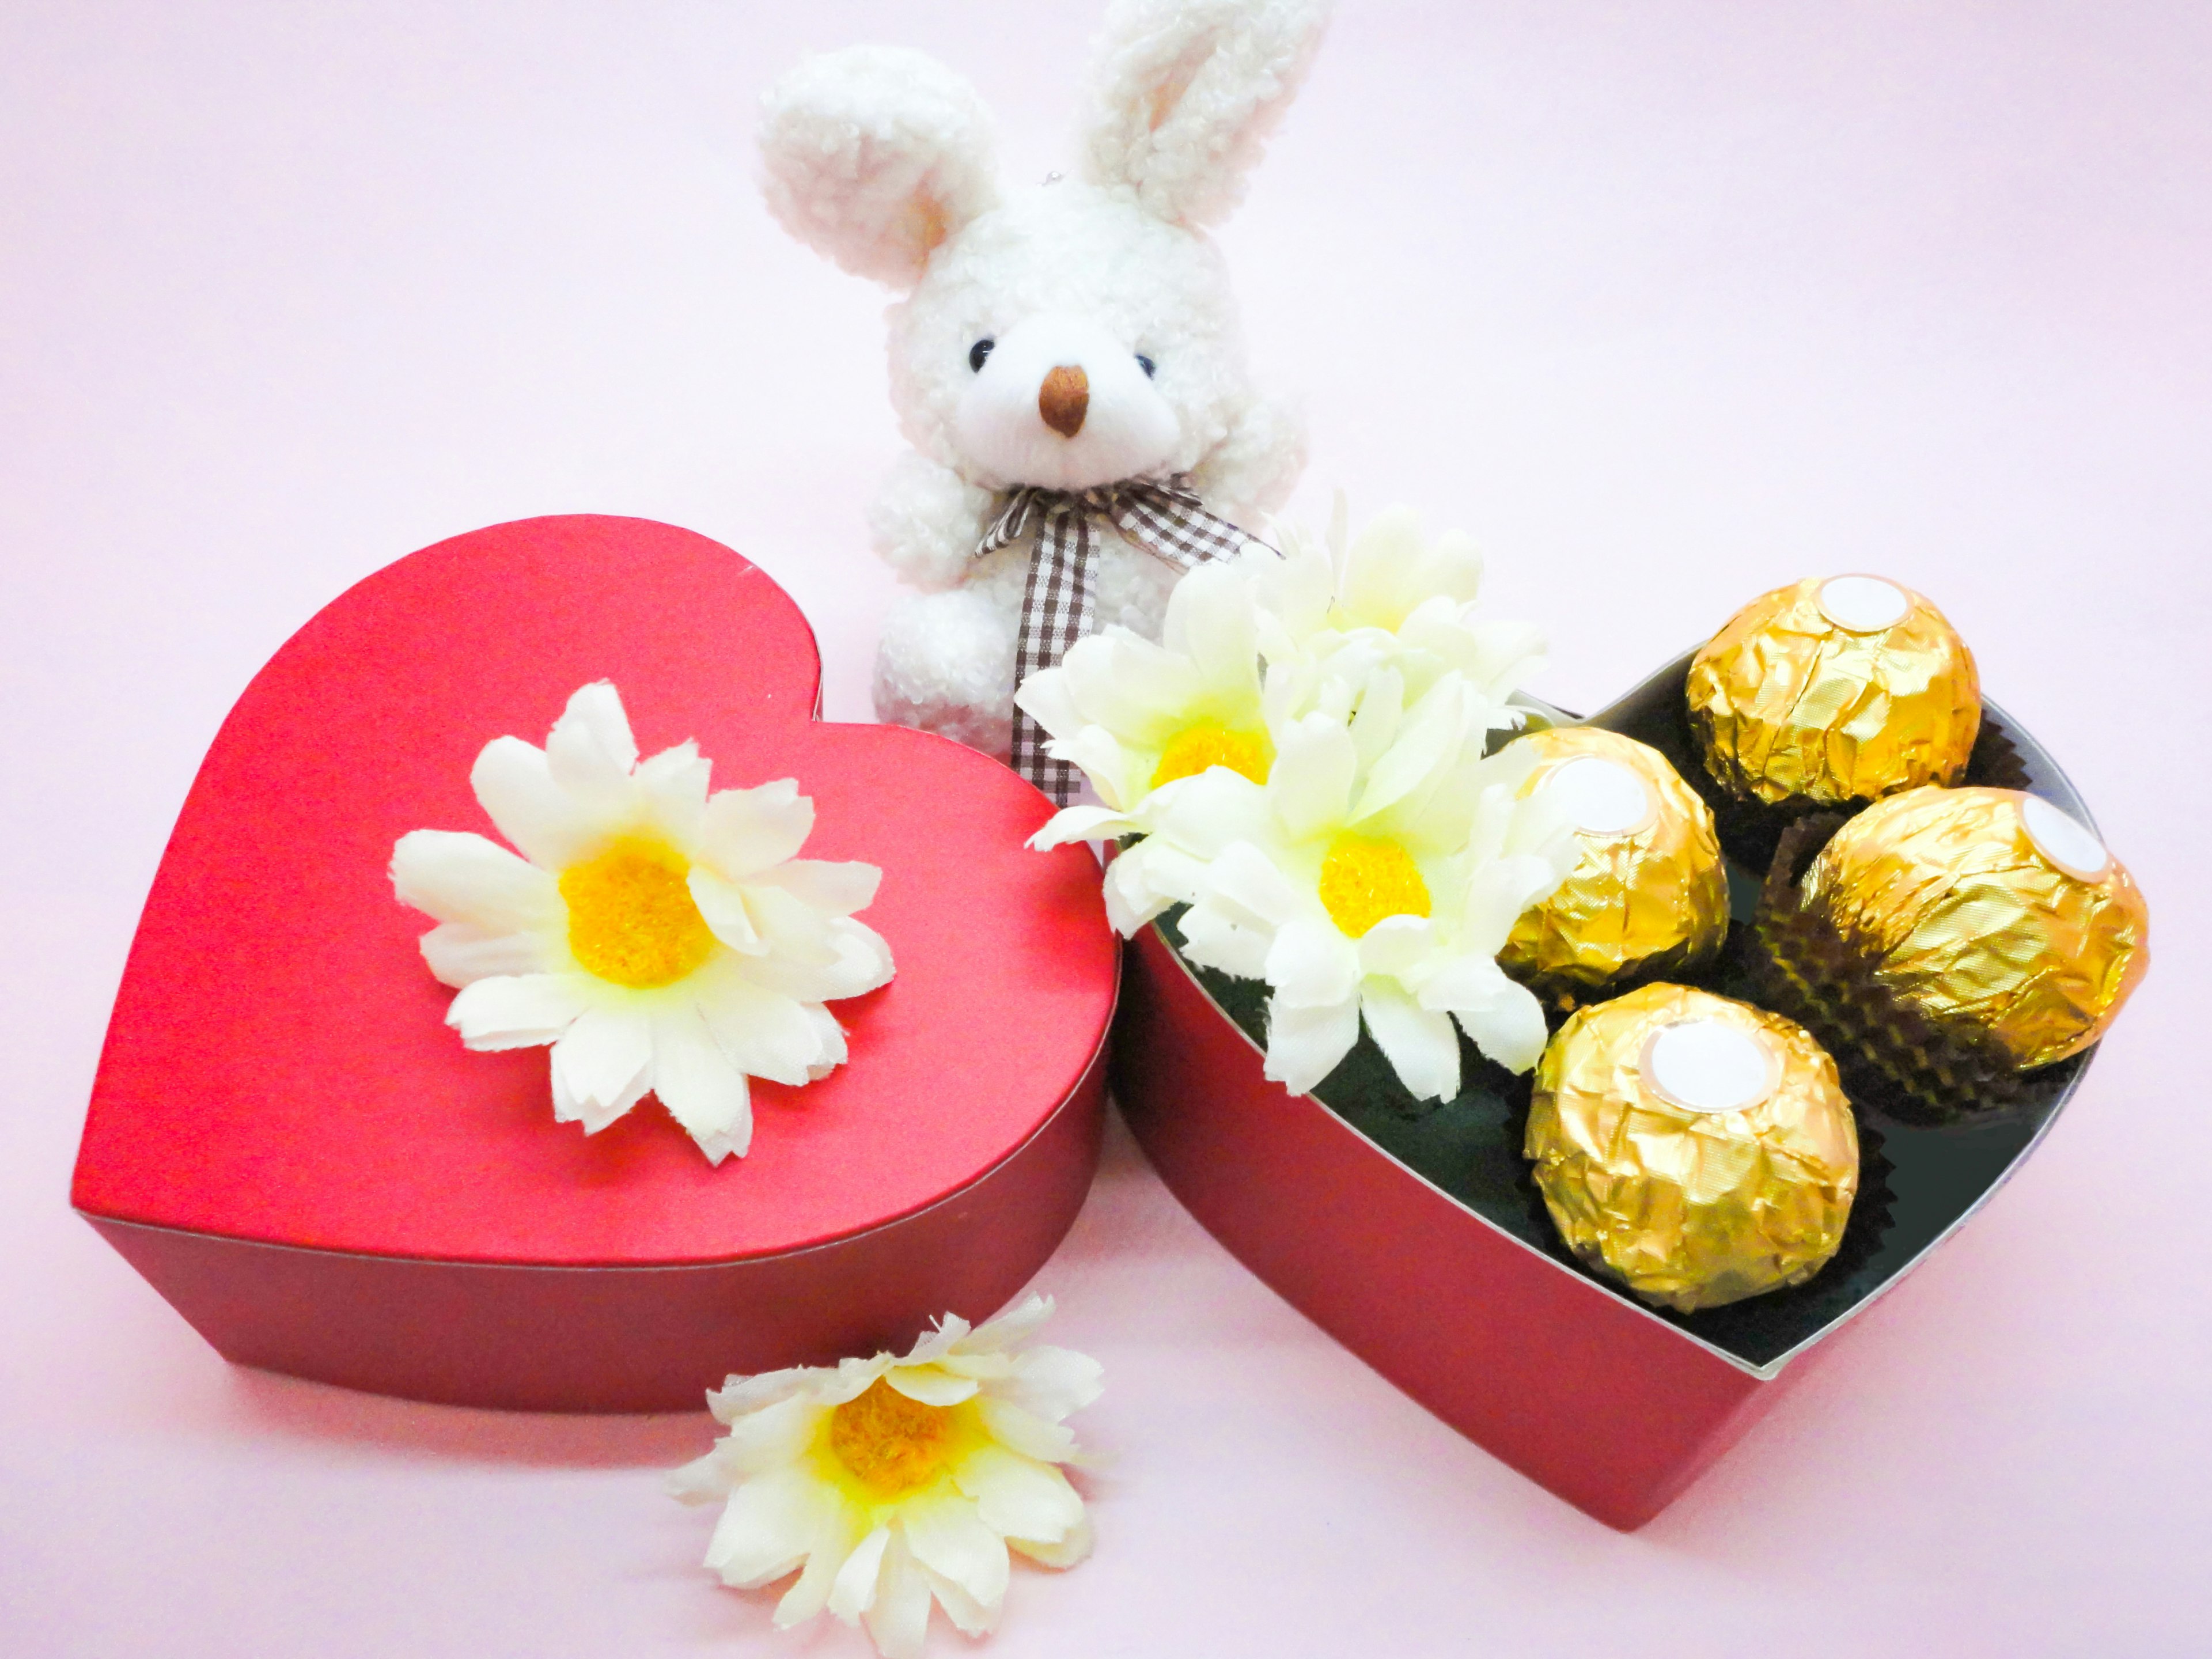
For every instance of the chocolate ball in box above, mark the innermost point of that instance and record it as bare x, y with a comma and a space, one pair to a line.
1833, 692
1989, 913
1648, 895
1696, 1149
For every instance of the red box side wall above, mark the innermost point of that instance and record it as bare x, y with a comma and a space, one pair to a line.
1614, 1412
623, 1338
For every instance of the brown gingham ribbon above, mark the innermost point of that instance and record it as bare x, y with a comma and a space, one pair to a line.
1166, 517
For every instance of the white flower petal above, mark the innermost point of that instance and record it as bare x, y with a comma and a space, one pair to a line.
460, 955
949, 1332
898, 1618
1255, 889
1381, 708
1304, 1045
793, 931
1311, 965
1508, 654
852, 1378
771, 1438
1310, 786
1045, 698
863, 960
1066, 1553
1213, 940
969, 1617
1429, 740
745, 831
594, 1118
1018, 1497
1025, 1431
590, 752
983, 1367
1120, 776
1382, 575
947, 1536
673, 784
1396, 944
701, 1089
1509, 1028
1210, 620
837, 1532
836, 890
854, 1590
1002, 1331
1204, 813
831, 1035
515, 788
522, 1012
767, 1527
931, 1385
703, 1480
762, 1033
1072, 823
857, 961
1053, 1382
1133, 687
1497, 894
601, 1067
741, 1395
721, 904
1131, 899
1420, 1045
466, 879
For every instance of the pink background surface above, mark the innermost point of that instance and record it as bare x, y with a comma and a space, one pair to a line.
1668, 303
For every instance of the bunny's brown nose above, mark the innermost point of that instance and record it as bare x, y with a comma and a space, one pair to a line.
1066, 395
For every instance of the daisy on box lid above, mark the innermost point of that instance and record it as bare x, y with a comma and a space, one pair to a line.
660, 939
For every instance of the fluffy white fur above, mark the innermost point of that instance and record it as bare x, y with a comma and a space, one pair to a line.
882, 159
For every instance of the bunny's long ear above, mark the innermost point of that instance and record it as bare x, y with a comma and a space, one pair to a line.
1184, 92
875, 155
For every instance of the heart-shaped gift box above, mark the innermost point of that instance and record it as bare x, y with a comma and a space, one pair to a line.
288, 1141
1412, 1233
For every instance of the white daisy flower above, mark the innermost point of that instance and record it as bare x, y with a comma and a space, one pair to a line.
1374, 877
887, 1483
1134, 715
660, 939
1391, 597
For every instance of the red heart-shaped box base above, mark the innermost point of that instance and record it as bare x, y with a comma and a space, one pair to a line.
1417, 1239
287, 1140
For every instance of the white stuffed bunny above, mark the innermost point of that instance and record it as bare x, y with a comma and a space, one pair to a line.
1076, 337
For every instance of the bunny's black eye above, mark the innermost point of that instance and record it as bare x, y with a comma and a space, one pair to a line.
1146, 364
979, 351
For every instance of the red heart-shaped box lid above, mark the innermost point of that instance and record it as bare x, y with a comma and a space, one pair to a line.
278, 1070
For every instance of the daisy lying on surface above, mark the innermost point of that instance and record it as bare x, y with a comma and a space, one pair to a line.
887, 1483
659, 938
1302, 763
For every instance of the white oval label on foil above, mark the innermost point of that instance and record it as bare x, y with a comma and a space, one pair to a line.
1864, 605
1602, 797
2064, 840
1709, 1066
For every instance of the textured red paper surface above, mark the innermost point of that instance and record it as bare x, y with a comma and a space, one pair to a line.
277, 1068
1615, 1413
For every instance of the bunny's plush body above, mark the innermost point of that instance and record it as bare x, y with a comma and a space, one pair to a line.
1073, 336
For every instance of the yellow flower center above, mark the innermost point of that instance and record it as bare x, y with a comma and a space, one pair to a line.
1209, 743
1364, 879
630, 915
891, 1442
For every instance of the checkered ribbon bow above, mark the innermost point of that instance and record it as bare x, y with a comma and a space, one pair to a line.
1165, 517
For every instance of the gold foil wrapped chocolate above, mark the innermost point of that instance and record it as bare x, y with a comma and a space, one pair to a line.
1696, 1149
1648, 895
1834, 691
1988, 911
